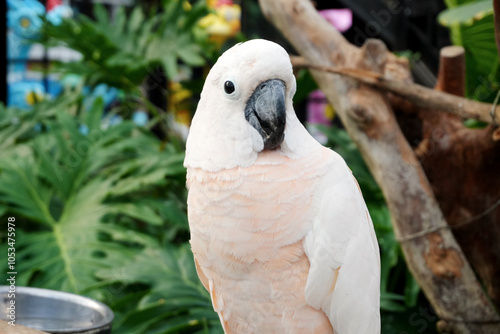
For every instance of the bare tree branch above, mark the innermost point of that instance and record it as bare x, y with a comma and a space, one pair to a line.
421, 96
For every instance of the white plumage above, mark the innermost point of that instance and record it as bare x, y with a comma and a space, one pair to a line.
281, 237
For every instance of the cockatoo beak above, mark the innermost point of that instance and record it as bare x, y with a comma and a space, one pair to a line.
266, 112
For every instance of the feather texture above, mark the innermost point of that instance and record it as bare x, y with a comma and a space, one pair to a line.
282, 238
247, 235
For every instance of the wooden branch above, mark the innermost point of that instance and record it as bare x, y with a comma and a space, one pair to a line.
432, 253
422, 97
451, 79
451, 75
459, 161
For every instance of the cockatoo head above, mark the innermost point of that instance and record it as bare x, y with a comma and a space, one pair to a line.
245, 108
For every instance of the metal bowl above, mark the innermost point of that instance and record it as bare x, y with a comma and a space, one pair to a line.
56, 312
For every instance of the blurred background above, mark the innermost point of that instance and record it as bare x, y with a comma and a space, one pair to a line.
97, 97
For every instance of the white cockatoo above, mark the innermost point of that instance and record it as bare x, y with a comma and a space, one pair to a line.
281, 235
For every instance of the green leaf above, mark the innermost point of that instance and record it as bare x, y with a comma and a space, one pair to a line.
51, 171
146, 33
456, 3
466, 14
135, 20
119, 21
140, 211
64, 183
66, 256
169, 62
191, 55
198, 11
23, 191
412, 289
388, 302
172, 9
471, 26
176, 300
126, 235
140, 182
174, 214
92, 118
305, 86
475, 124
3, 210
101, 14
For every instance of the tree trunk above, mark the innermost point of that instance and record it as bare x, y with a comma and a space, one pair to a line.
432, 253
462, 165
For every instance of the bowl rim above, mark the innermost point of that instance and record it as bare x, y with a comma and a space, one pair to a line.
108, 315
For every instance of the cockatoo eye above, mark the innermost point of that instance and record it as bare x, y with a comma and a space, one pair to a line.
229, 87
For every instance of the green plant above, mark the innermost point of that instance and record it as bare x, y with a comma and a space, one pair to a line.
135, 52
471, 26
101, 212
123, 51
171, 299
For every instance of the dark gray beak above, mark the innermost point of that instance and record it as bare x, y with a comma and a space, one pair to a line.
266, 112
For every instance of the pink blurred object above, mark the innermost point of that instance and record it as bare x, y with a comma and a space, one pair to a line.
316, 114
317, 105
224, 2
316, 108
341, 19
52, 3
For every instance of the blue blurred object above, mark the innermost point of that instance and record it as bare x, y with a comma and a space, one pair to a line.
56, 15
54, 86
24, 23
84, 129
27, 86
25, 93
107, 93
23, 17
140, 118
111, 121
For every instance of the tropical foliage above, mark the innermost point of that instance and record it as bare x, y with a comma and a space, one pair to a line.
101, 209
122, 52
471, 26
102, 213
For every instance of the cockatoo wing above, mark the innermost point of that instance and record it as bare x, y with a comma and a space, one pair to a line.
344, 275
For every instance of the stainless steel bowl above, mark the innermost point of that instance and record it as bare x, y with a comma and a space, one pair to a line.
56, 312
